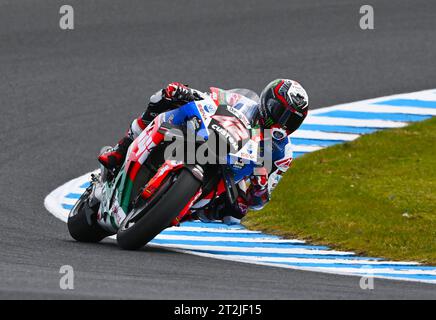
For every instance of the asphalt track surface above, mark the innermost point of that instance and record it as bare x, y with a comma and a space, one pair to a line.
64, 94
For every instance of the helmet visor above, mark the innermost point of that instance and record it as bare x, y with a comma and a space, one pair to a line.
287, 119
284, 118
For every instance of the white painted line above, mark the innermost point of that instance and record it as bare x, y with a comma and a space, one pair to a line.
389, 109
322, 262
420, 95
251, 249
305, 148
374, 269
54, 200
222, 230
353, 122
372, 263
222, 239
312, 134
286, 266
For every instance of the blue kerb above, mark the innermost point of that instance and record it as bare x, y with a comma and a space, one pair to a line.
298, 154
73, 196
314, 142
239, 244
85, 185
375, 116
338, 129
408, 103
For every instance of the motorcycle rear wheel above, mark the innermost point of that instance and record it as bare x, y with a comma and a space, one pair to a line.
160, 215
82, 221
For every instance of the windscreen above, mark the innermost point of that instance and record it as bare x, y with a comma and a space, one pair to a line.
245, 101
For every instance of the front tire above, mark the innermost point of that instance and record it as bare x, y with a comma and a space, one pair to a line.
161, 214
82, 221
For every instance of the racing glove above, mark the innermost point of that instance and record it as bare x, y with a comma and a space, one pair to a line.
177, 92
172, 96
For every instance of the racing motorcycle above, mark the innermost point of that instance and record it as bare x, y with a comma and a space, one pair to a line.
153, 191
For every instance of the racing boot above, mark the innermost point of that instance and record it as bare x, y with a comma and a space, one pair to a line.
114, 158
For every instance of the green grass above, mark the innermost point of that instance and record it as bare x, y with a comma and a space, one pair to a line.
375, 196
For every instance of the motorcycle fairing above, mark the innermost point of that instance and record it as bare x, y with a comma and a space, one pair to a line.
119, 190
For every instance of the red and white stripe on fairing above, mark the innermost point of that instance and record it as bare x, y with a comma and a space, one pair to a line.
214, 193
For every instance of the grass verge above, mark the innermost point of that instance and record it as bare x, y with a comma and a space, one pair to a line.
375, 196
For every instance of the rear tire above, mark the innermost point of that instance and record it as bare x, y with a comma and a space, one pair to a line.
161, 214
82, 221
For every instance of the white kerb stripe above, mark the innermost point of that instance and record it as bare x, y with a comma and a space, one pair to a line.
389, 109
312, 134
303, 148
223, 239
319, 119
251, 249
327, 261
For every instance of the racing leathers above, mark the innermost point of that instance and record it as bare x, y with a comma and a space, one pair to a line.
254, 191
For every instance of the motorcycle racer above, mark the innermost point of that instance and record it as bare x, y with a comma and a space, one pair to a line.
283, 107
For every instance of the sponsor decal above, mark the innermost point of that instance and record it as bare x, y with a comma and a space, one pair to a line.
283, 91
239, 164
248, 156
233, 98
233, 126
171, 118
250, 148
221, 96
278, 134
205, 111
294, 95
118, 213
201, 110
234, 110
214, 96
226, 135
